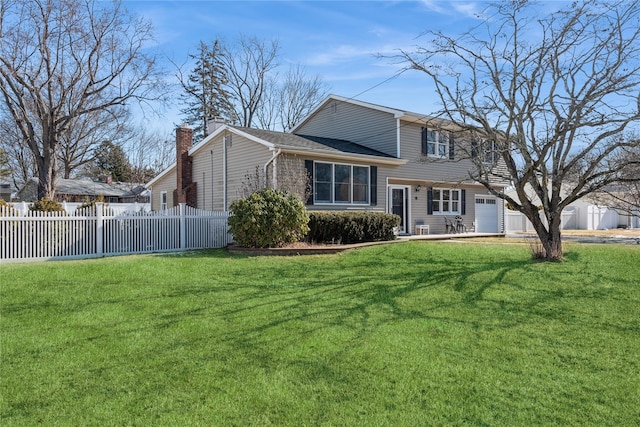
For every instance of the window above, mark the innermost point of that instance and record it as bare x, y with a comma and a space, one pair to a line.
446, 201
163, 200
487, 149
341, 183
435, 143
490, 152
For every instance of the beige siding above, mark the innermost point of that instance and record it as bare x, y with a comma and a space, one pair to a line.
365, 126
166, 183
427, 168
243, 156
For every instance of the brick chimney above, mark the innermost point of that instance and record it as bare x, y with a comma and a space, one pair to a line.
185, 187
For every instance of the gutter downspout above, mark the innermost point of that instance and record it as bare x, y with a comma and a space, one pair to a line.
274, 179
224, 172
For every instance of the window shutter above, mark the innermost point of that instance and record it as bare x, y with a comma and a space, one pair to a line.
430, 201
373, 184
308, 166
463, 196
451, 147
424, 141
474, 148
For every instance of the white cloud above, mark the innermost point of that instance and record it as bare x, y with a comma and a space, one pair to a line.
468, 9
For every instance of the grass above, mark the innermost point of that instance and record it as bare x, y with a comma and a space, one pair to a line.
420, 333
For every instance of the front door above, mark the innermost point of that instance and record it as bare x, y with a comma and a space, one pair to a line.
399, 205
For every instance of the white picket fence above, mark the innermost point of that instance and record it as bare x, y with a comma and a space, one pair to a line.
98, 232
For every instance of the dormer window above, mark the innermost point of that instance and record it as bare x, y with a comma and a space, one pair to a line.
436, 143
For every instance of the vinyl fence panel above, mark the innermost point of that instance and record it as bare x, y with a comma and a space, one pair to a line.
96, 232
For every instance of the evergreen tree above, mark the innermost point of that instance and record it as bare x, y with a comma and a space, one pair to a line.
205, 96
111, 159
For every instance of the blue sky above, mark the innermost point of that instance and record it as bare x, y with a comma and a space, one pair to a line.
337, 40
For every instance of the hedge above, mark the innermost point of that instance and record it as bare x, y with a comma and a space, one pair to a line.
348, 227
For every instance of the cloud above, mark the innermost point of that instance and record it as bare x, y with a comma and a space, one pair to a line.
468, 9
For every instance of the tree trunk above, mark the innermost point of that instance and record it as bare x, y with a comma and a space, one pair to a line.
46, 175
550, 236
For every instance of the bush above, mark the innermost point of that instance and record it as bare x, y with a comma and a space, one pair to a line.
268, 218
351, 227
46, 205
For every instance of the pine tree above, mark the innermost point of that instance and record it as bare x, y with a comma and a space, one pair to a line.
204, 94
111, 159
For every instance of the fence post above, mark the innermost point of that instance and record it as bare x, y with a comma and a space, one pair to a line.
183, 228
99, 230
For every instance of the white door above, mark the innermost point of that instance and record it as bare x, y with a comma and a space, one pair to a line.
486, 214
399, 205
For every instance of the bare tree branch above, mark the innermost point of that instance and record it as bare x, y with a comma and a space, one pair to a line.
552, 94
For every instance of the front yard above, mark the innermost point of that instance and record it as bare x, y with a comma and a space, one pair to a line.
419, 333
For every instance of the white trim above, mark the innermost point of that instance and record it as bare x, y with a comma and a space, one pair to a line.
163, 204
326, 154
160, 175
450, 201
333, 183
398, 138
407, 203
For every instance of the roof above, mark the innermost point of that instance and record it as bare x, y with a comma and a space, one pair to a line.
289, 140
296, 144
85, 187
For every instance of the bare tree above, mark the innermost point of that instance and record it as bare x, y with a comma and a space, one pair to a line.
291, 177
248, 66
549, 95
21, 161
61, 60
287, 103
149, 153
85, 134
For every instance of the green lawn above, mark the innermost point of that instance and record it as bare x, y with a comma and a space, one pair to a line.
420, 333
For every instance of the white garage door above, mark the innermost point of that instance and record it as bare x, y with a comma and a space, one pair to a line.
486, 215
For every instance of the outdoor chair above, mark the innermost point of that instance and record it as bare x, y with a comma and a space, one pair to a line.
449, 226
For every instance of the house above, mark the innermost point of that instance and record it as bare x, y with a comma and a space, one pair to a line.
6, 189
79, 190
359, 156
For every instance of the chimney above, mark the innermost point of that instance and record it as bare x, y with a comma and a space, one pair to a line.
184, 182
214, 124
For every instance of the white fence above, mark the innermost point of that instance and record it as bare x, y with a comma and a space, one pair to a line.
573, 218
97, 232
71, 207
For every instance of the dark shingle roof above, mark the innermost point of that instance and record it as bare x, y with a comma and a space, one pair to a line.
307, 142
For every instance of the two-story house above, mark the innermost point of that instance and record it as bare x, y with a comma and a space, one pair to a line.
358, 155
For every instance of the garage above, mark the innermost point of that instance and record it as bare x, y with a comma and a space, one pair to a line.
486, 214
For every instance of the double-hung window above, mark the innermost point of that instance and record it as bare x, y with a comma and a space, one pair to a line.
487, 149
336, 183
163, 200
435, 143
446, 201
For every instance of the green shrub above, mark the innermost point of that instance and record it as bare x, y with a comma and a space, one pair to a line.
268, 218
46, 205
351, 227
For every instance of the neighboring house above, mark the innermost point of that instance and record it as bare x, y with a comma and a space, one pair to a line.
360, 156
6, 189
78, 190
